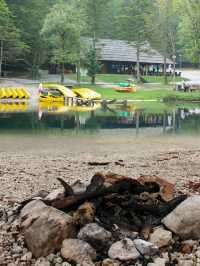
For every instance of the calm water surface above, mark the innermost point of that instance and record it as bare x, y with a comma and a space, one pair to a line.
143, 119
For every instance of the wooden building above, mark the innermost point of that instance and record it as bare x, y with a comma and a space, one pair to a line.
119, 56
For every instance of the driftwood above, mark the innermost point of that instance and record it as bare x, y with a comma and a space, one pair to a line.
98, 163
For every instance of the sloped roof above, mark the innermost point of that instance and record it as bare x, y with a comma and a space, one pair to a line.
123, 51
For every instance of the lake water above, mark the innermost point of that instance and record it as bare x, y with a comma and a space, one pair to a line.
140, 119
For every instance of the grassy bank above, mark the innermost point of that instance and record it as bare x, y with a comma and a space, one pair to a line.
163, 94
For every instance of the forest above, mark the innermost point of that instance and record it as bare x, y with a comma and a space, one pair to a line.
34, 33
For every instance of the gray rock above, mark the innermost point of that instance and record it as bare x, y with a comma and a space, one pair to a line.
184, 220
66, 264
145, 248
78, 251
51, 257
58, 260
45, 229
160, 262
56, 194
17, 249
123, 233
27, 256
161, 237
124, 250
197, 254
94, 234
42, 262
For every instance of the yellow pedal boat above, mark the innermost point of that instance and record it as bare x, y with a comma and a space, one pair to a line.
54, 93
14, 93
87, 94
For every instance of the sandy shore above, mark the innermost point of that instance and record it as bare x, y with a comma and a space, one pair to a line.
32, 163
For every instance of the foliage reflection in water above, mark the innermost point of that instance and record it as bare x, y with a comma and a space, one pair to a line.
166, 119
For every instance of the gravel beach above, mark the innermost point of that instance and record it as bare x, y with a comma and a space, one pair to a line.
32, 163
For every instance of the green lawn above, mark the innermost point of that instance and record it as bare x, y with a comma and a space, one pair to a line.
117, 78
153, 79
164, 94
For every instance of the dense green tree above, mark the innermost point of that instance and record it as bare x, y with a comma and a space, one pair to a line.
94, 15
10, 44
62, 28
163, 27
134, 28
92, 64
189, 30
29, 17
171, 26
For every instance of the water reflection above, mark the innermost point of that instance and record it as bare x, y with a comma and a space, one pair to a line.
169, 119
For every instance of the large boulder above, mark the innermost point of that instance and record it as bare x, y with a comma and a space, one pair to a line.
78, 251
45, 228
184, 220
124, 250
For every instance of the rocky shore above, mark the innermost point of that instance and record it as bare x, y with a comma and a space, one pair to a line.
29, 164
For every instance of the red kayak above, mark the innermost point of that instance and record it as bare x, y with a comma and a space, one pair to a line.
126, 89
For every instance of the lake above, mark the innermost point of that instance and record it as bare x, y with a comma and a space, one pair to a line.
139, 119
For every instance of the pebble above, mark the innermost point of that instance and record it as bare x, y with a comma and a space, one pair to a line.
27, 256
124, 250
197, 254
58, 260
42, 262
17, 249
160, 262
66, 264
186, 263
50, 257
145, 248
161, 237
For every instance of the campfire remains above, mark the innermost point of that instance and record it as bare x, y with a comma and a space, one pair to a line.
90, 224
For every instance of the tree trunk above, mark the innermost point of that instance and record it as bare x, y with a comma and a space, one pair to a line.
35, 71
1, 57
94, 47
93, 80
62, 78
165, 70
78, 73
138, 64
